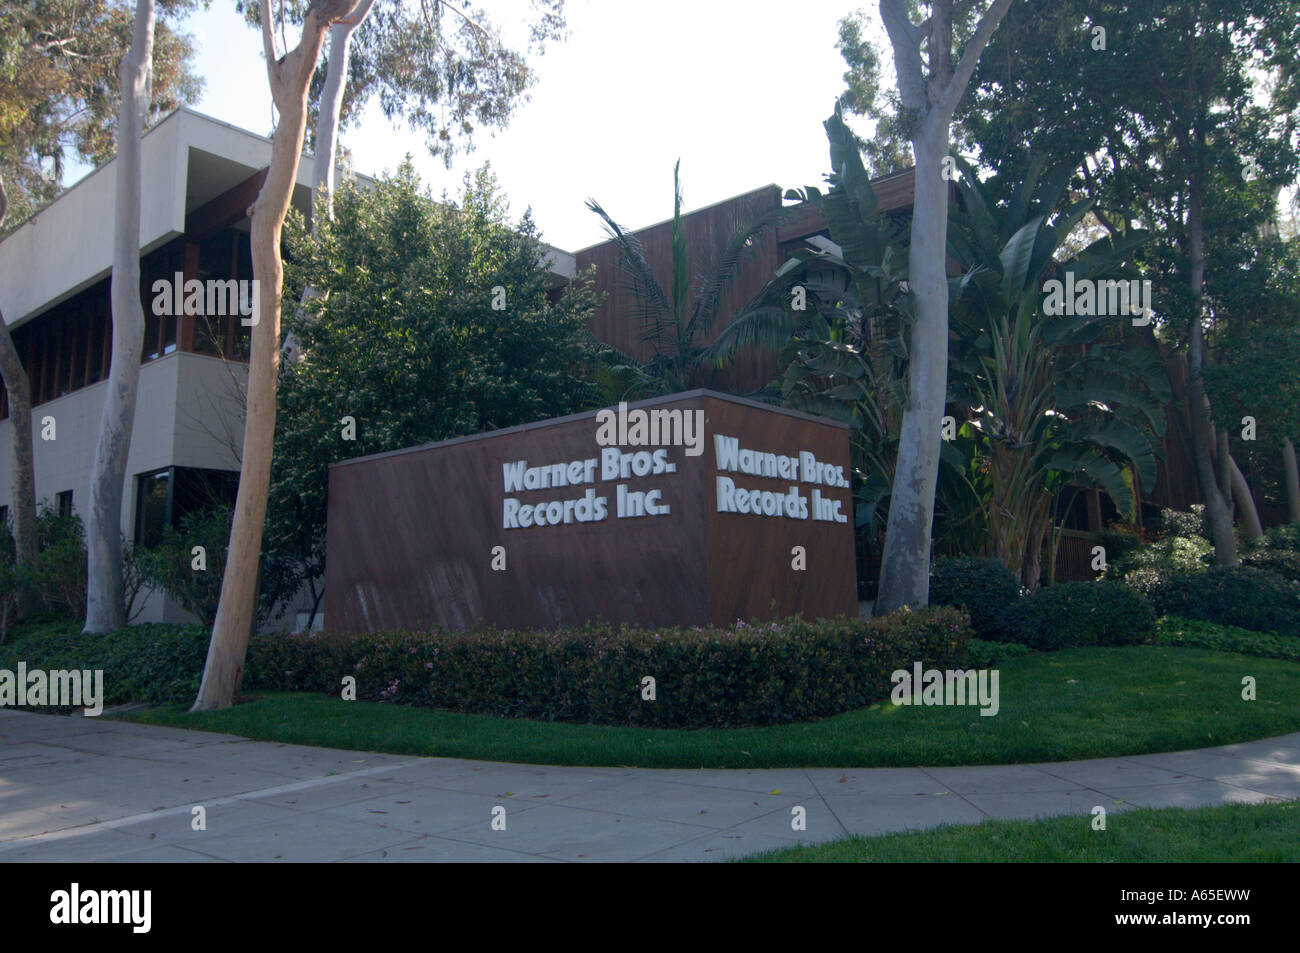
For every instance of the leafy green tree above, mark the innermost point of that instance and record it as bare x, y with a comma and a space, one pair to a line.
1186, 115
1256, 359
59, 86
868, 94
438, 321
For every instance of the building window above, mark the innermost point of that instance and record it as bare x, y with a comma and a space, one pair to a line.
165, 497
63, 503
152, 505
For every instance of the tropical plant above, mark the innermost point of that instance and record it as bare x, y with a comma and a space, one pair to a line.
1054, 399
676, 322
836, 314
844, 354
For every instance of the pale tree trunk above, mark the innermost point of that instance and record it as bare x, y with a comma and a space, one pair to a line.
105, 610
1217, 513
1250, 524
1223, 464
288, 77
19, 391
1292, 480
325, 161
905, 563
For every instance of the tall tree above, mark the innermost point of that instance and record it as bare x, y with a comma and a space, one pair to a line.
59, 82
289, 76
867, 94
1187, 113
1292, 471
19, 392
105, 610
59, 86
412, 58
929, 93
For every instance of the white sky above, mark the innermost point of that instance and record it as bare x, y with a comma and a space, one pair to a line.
738, 89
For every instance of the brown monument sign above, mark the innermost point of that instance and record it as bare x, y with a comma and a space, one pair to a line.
688, 509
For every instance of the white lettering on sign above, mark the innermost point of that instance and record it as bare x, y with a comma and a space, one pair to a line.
614, 465
803, 467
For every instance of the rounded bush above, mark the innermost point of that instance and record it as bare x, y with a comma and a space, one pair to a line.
1243, 596
1281, 562
985, 588
1083, 613
1284, 537
1187, 523
1171, 554
1118, 543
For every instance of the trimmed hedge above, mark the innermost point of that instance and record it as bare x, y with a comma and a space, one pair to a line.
1073, 614
1240, 595
159, 664
756, 674
985, 588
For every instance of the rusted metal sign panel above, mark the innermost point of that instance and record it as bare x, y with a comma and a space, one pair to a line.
688, 509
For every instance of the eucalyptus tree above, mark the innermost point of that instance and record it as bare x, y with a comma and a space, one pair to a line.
288, 74
59, 87
105, 609
61, 95
440, 66
929, 88
18, 390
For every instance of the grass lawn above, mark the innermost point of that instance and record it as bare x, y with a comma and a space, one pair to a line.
1073, 704
1256, 833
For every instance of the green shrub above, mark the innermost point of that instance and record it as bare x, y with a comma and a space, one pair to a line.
985, 588
1082, 613
160, 664
704, 676
1241, 595
982, 654
169, 565
1286, 537
1171, 554
59, 574
1281, 562
1182, 522
1118, 543
1199, 634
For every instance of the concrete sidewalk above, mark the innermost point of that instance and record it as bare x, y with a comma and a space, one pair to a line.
85, 789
